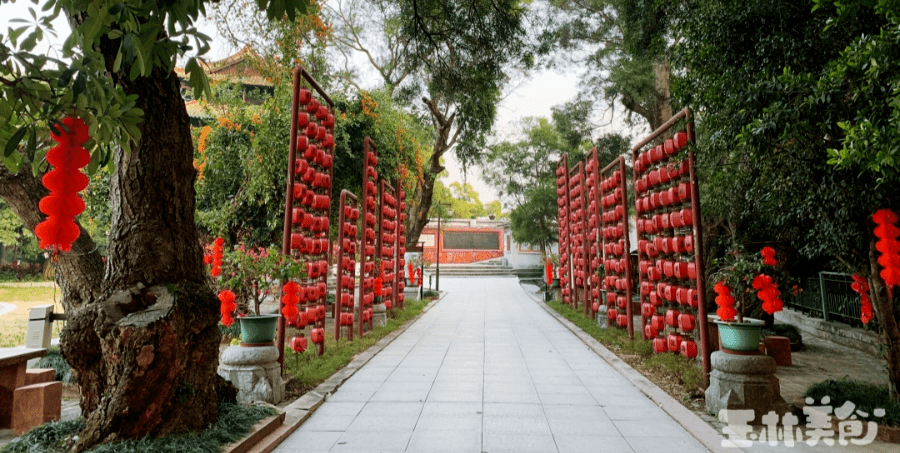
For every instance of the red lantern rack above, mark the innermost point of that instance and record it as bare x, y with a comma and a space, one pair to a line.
562, 203
593, 243
577, 227
345, 281
672, 289
368, 250
308, 201
399, 281
387, 242
616, 249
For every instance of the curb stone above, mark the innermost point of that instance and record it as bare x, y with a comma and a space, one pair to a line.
692, 423
300, 410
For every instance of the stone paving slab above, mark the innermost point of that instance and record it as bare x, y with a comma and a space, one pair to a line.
489, 370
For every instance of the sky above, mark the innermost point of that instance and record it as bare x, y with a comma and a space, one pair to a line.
533, 96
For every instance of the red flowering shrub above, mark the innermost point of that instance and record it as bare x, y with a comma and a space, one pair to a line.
749, 283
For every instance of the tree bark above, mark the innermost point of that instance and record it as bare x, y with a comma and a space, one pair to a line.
145, 356
80, 271
887, 312
660, 110
424, 195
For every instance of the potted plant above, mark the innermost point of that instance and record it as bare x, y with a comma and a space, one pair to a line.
747, 284
251, 274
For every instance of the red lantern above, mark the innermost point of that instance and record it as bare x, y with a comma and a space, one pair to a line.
689, 348
59, 230
674, 342
687, 322
290, 298
887, 244
659, 345
298, 344
672, 317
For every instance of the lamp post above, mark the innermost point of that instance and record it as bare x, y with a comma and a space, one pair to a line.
437, 280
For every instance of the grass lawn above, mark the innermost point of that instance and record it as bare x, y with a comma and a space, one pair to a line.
16, 299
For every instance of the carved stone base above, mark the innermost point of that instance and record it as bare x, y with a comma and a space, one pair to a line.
740, 382
255, 372
379, 315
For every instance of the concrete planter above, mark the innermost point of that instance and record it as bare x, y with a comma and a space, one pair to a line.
258, 329
740, 336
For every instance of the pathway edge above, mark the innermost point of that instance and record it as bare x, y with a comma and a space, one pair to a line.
300, 410
693, 424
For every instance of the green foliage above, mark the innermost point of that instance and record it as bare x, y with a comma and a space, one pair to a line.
403, 140
865, 396
235, 421
49, 438
54, 360
240, 190
464, 52
759, 75
623, 45
738, 268
253, 272
683, 368
464, 201
13, 234
524, 172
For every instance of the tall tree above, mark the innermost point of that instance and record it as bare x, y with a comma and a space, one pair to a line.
450, 56
782, 88
624, 46
524, 171
142, 334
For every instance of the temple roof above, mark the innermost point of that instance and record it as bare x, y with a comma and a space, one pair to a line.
236, 68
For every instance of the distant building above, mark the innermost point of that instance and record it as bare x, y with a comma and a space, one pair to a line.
237, 69
466, 241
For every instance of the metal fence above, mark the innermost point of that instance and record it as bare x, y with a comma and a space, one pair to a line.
829, 297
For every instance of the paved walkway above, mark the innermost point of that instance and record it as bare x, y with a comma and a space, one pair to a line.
488, 370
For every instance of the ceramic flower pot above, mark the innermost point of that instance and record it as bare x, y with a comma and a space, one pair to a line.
740, 336
258, 329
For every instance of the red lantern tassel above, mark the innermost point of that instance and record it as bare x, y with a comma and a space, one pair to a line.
887, 233
226, 298
59, 230
861, 286
549, 273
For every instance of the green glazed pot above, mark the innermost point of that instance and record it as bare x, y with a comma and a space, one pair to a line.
258, 329
740, 336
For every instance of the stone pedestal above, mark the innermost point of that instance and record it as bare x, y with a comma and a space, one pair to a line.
601, 318
411, 293
254, 371
379, 315
740, 382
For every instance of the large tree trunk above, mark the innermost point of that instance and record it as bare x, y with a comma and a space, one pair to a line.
660, 109
145, 352
443, 126
887, 313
